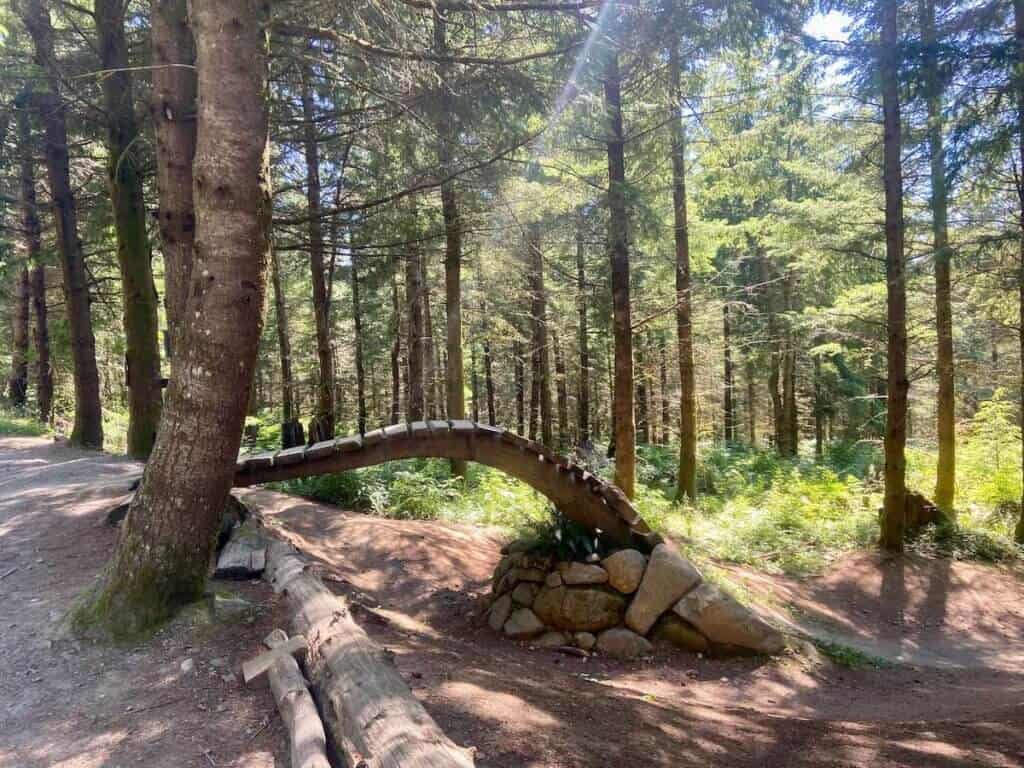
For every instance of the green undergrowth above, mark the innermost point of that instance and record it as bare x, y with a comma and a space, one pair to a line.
16, 424
790, 516
848, 656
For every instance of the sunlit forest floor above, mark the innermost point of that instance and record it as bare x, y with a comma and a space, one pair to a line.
917, 663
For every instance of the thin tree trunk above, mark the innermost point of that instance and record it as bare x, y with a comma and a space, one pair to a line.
164, 549
729, 406
945, 482
684, 325
583, 403
31, 232
17, 383
415, 346
893, 522
663, 391
429, 371
172, 110
357, 323
474, 383
819, 412
455, 382
541, 388
322, 425
492, 418
44, 371
643, 424
563, 393
291, 427
790, 417
88, 428
751, 405
1018, 29
396, 349
625, 427
520, 385
124, 179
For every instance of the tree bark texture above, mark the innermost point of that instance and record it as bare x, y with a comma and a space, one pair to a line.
17, 382
893, 522
322, 427
415, 345
172, 110
583, 401
164, 549
357, 323
618, 237
541, 356
88, 429
684, 323
124, 181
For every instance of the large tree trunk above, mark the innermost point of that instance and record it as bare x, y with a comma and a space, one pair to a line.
625, 427
322, 425
583, 402
291, 428
945, 482
31, 233
684, 324
124, 179
17, 383
163, 553
172, 110
88, 429
893, 522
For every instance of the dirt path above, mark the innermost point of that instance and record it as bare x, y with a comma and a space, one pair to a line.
420, 584
74, 705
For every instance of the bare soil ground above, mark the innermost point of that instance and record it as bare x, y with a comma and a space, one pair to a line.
954, 697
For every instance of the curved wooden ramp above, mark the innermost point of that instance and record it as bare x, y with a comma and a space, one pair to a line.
578, 494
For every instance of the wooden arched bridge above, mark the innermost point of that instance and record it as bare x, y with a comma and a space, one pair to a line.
577, 493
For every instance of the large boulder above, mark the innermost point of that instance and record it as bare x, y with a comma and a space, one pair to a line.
499, 613
625, 569
668, 577
726, 623
523, 624
621, 643
525, 593
577, 574
672, 629
580, 609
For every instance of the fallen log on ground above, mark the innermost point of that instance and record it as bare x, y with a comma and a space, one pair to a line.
291, 692
368, 708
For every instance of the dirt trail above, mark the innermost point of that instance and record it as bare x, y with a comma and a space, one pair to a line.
74, 705
416, 588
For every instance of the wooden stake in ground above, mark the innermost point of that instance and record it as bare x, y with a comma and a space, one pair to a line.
370, 711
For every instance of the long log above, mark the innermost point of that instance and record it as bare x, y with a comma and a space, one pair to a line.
368, 708
305, 731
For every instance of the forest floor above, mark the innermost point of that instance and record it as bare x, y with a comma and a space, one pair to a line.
950, 694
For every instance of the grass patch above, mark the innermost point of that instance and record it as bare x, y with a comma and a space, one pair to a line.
14, 424
847, 656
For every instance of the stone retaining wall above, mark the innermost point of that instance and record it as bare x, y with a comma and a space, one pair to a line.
618, 605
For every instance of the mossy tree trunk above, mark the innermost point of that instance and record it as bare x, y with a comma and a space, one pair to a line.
88, 429
124, 180
164, 549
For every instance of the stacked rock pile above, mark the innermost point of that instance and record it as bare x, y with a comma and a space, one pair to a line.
618, 605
